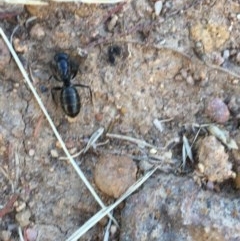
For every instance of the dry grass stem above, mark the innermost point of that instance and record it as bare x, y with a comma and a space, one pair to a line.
45, 2
90, 1
95, 136
158, 123
140, 143
30, 2
99, 215
107, 231
187, 148
20, 234
40, 103
17, 166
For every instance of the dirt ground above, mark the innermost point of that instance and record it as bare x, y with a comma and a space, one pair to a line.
169, 67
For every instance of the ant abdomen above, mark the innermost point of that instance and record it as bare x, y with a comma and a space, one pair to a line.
70, 101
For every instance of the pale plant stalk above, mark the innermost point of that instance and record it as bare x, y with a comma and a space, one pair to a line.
45, 2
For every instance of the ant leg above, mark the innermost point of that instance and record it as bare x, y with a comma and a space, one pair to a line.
74, 68
53, 90
85, 86
53, 67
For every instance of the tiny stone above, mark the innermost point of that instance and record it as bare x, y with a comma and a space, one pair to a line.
54, 153
5, 235
234, 104
31, 234
5, 55
235, 81
20, 207
31, 152
58, 145
82, 52
200, 167
114, 174
217, 59
184, 73
153, 151
98, 117
214, 160
238, 16
113, 229
73, 150
158, 7
217, 110
19, 46
112, 23
178, 77
190, 80
226, 54
144, 165
238, 57
37, 32
23, 217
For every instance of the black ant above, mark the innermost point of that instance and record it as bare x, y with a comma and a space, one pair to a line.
64, 70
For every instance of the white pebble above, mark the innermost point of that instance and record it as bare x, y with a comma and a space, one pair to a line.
31, 152
54, 153
153, 151
20, 207
158, 7
226, 54
112, 23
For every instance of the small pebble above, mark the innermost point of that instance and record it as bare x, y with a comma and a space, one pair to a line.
82, 52
190, 80
234, 104
20, 207
144, 165
238, 57
98, 117
178, 77
5, 235
73, 150
218, 111
238, 16
237, 181
112, 23
235, 81
54, 153
31, 152
58, 145
113, 230
31, 234
37, 32
213, 160
226, 54
184, 73
5, 55
217, 58
19, 46
158, 7
114, 174
23, 217
153, 151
